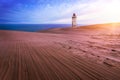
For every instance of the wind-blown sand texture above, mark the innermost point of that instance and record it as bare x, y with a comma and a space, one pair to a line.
86, 53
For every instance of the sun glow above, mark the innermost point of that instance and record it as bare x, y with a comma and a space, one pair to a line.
112, 12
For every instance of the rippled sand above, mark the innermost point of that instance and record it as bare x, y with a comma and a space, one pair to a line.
85, 53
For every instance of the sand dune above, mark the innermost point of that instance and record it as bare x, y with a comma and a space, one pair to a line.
61, 54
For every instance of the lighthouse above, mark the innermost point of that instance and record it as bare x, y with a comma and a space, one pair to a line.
74, 23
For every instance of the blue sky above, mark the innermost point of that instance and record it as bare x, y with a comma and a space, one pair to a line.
59, 11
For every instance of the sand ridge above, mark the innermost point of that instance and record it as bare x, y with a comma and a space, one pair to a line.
60, 54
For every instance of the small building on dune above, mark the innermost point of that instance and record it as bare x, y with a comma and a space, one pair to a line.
74, 20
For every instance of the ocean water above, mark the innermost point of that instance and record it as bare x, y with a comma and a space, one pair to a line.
31, 27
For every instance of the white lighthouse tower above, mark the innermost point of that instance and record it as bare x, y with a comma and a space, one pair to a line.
74, 23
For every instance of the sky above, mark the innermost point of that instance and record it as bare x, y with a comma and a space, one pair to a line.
59, 11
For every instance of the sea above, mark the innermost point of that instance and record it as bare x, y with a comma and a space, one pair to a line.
31, 27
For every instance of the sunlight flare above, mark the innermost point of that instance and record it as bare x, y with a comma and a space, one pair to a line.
112, 11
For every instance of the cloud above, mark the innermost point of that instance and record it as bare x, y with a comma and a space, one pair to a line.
100, 11
59, 11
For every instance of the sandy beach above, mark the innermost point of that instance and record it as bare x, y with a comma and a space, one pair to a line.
83, 53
